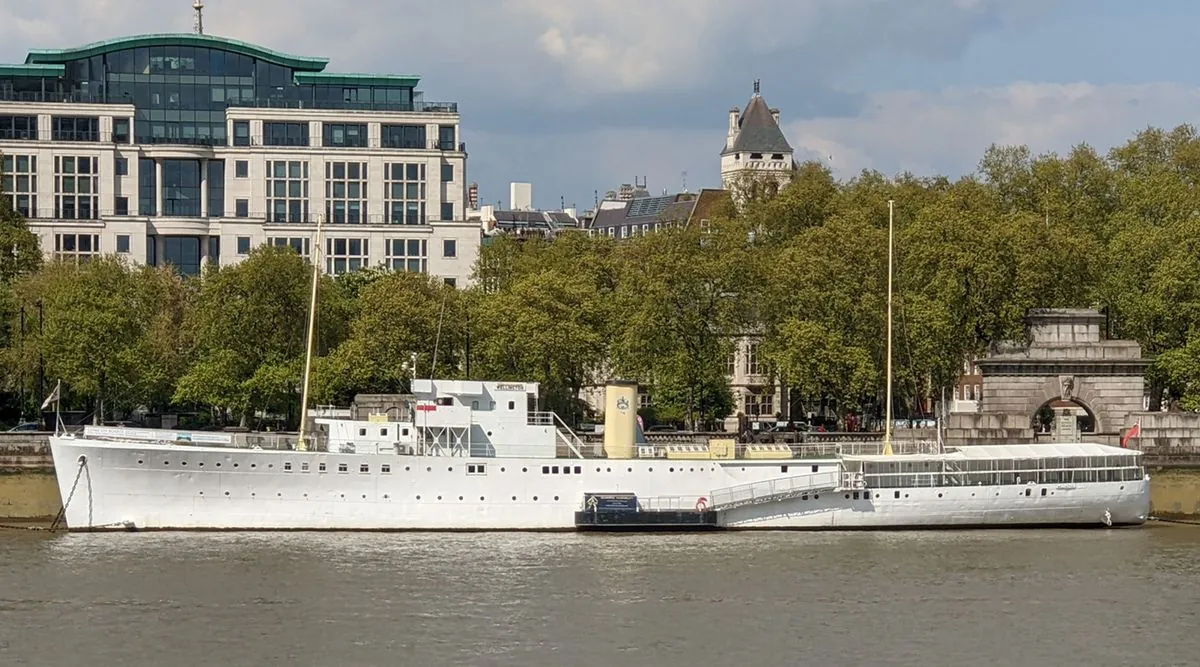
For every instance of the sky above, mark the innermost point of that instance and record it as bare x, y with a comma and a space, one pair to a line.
579, 96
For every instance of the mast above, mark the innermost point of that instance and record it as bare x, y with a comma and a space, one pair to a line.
887, 428
301, 444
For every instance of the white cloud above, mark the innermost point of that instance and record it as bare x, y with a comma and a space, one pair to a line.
948, 131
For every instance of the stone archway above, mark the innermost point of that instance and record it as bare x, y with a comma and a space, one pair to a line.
1063, 420
1079, 391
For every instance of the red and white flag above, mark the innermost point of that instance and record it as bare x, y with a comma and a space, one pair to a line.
1135, 432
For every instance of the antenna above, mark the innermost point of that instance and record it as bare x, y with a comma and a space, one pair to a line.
887, 429
198, 26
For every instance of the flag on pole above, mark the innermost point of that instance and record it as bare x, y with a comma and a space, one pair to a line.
53, 397
1135, 432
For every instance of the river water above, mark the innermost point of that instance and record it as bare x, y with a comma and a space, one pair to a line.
1012, 598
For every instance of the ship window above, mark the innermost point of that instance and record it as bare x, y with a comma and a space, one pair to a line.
383, 432
1044, 491
554, 469
566, 470
364, 467
304, 466
512, 405
385, 468
474, 405
578, 469
321, 467
287, 466
1027, 492
362, 431
897, 493
476, 469
342, 467
782, 468
814, 469
545, 470
856, 495
403, 431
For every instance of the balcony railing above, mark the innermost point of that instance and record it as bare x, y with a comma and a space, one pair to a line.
336, 105
50, 215
372, 142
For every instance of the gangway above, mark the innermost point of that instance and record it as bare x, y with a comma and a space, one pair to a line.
773, 490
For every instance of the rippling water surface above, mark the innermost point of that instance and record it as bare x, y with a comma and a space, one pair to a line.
1083, 597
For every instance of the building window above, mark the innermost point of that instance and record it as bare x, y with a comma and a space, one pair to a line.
449, 248
405, 193
241, 133
241, 169
123, 243
447, 210
345, 255
120, 131
241, 208
731, 364
450, 282
76, 247
344, 136
19, 127
75, 187
214, 250
446, 137
147, 193
181, 188
121, 206
299, 244
243, 245
760, 403
403, 136
285, 134
19, 184
754, 365
122, 166
216, 188
72, 128
447, 173
346, 192
287, 191
408, 255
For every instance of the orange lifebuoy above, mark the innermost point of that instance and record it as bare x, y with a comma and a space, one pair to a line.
702, 504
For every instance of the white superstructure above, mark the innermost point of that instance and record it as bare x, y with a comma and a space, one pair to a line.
473, 456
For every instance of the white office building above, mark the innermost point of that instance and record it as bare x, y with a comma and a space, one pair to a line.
185, 149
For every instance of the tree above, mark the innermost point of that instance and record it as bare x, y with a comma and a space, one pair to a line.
104, 331
247, 334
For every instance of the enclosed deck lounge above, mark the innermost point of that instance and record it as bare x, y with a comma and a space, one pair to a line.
997, 465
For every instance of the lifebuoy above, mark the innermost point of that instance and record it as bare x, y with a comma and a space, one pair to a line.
701, 504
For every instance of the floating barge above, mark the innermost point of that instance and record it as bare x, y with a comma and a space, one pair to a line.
621, 512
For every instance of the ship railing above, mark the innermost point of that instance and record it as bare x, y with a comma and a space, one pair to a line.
772, 490
670, 504
563, 433
833, 449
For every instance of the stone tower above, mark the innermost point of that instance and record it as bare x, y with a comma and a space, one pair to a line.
755, 145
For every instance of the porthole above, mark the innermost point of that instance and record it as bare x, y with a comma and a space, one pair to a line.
535, 499
489, 434
480, 498
235, 465
183, 463
306, 495
342, 495
514, 498
166, 463
847, 496
418, 497
652, 470
226, 493
501, 469
629, 470
460, 497
940, 495
218, 464
428, 469
140, 461
439, 497
385, 496
597, 470
278, 495
524, 469
364, 496
406, 468
201, 464
906, 495
253, 494
691, 470
253, 465
817, 496
201, 493
608, 470
450, 469
556, 497
972, 494
269, 465
670, 470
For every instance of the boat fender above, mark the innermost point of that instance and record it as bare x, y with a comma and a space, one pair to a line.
701, 504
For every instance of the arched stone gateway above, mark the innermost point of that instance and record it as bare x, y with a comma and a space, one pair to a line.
1068, 360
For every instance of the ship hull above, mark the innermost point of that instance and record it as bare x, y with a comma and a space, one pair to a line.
168, 487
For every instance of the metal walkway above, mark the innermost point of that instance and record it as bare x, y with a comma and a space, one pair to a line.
773, 490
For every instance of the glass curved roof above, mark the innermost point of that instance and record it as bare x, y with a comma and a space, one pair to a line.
59, 56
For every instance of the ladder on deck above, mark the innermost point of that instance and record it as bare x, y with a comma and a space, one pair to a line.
773, 490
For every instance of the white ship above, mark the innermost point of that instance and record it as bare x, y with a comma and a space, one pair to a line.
471, 455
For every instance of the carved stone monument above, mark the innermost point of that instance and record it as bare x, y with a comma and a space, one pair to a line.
1065, 364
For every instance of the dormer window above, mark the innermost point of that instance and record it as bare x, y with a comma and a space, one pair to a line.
756, 156
777, 156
